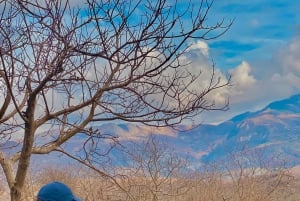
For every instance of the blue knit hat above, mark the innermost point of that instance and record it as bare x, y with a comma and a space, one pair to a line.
56, 191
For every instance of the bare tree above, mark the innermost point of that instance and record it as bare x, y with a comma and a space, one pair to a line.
155, 171
65, 67
252, 175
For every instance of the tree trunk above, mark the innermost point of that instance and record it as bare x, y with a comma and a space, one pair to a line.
24, 160
15, 194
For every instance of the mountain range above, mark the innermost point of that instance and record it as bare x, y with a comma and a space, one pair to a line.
271, 134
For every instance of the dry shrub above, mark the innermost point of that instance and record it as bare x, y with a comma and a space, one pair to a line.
158, 175
209, 185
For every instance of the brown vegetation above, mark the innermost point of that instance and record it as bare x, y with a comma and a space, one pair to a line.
198, 186
155, 172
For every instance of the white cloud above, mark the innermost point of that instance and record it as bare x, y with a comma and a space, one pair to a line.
289, 79
200, 46
241, 78
138, 132
199, 60
287, 76
291, 57
273, 79
195, 62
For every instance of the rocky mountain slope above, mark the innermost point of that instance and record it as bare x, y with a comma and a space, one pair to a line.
273, 131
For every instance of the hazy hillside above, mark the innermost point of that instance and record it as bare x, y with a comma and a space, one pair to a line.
274, 130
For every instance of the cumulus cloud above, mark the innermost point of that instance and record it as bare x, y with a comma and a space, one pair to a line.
287, 76
200, 46
241, 78
241, 82
198, 57
289, 79
275, 78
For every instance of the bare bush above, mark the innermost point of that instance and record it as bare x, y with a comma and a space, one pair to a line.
212, 183
155, 171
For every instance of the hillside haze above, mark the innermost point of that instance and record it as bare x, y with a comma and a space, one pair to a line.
273, 130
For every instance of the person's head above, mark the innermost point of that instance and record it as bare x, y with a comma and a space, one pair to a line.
56, 191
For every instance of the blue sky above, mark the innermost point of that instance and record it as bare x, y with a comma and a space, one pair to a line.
261, 50
259, 27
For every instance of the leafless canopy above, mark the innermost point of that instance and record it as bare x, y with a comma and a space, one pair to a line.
65, 65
